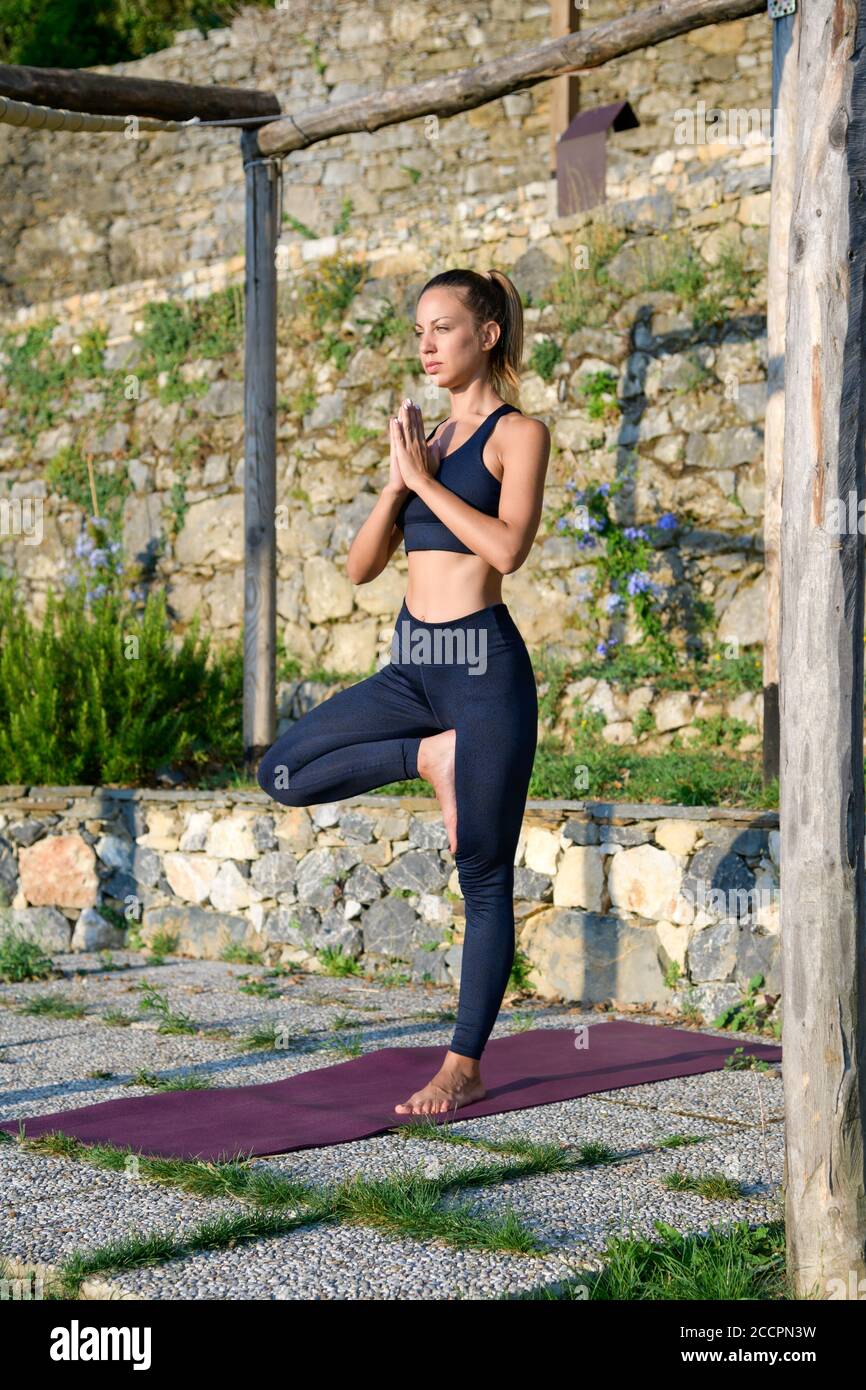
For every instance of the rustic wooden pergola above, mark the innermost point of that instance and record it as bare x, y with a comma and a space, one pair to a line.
815, 577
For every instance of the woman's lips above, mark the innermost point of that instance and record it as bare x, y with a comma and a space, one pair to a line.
432, 365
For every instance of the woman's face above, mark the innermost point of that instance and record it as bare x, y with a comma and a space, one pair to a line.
451, 348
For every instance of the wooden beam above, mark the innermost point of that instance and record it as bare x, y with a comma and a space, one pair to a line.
447, 94
786, 38
564, 91
260, 448
108, 94
823, 912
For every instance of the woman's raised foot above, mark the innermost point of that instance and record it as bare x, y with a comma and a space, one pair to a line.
436, 757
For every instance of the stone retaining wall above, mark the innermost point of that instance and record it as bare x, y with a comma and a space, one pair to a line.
84, 212
652, 719
608, 897
690, 419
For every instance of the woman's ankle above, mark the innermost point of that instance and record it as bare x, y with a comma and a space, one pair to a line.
468, 1066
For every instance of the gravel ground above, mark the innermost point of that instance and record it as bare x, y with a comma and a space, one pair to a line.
55, 1206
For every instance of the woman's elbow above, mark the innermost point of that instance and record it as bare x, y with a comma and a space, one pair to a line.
510, 560
514, 545
356, 575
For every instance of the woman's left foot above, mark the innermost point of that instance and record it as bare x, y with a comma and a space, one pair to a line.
436, 762
447, 1091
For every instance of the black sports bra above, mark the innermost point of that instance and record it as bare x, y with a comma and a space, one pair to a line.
468, 479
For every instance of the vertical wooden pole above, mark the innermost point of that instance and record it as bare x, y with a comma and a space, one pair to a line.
564, 91
786, 33
823, 915
260, 448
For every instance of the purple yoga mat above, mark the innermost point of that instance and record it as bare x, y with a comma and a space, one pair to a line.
356, 1099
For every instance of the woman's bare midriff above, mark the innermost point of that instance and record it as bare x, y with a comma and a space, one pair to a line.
446, 584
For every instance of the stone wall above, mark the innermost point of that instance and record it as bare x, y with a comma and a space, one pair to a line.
691, 405
82, 212
94, 228
608, 898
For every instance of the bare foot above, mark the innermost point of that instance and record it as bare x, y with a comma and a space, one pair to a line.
436, 766
449, 1090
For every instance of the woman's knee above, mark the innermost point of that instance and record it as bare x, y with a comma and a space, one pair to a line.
484, 872
486, 845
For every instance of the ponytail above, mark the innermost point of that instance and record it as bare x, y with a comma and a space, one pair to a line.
507, 355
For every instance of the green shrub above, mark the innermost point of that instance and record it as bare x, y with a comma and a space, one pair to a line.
584, 294
335, 961
178, 331
21, 958
36, 374
683, 274
546, 353
99, 694
599, 390
66, 473
328, 292
81, 34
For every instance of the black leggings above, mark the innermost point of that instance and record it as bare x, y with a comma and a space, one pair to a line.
472, 674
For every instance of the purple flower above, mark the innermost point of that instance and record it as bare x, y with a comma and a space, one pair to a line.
667, 522
604, 489
97, 558
634, 533
603, 648
562, 523
613, 601
639, 582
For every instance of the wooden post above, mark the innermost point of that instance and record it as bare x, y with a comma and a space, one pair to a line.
786, 33
260, 449
564, 91
823, 917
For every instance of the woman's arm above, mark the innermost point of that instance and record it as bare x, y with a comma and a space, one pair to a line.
504, 541
377, 539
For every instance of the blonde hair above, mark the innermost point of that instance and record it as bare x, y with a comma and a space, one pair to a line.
492, 295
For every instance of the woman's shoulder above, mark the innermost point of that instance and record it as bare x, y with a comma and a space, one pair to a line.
524, 430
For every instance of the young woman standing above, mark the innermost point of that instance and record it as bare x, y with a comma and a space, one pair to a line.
457, 704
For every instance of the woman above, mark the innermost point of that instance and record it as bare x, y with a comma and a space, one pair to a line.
457, 704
